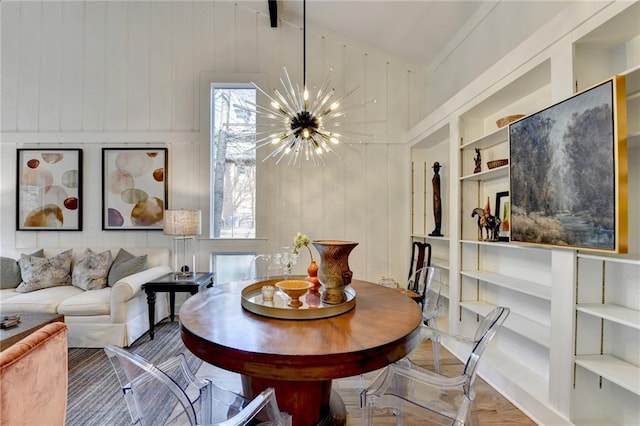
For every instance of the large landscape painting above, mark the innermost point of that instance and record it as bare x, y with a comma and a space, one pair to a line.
567, 188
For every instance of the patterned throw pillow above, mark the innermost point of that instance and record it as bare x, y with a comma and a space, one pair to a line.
10, 271
90, 273
125, 264
38, 272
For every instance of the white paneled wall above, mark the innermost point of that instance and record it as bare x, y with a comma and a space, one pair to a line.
106, 74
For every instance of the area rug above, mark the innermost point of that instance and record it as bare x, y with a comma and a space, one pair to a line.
95, 397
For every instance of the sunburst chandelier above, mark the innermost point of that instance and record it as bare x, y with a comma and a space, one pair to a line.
310, 130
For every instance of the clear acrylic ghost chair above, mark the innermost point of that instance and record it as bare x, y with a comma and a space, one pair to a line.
416, 395
159, 395
265, 266
427, 282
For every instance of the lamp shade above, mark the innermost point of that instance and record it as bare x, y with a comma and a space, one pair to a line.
181, 222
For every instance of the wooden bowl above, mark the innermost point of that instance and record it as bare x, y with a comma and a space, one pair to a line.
501, 122
294, 289
497, 163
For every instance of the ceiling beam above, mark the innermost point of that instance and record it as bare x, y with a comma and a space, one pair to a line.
273, 13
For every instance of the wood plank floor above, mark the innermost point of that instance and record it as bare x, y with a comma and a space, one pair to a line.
490, 408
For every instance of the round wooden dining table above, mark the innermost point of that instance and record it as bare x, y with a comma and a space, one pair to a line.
299, 358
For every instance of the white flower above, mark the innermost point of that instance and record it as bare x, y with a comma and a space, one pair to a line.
301, 240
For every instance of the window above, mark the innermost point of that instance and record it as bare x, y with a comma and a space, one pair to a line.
233, 161
231, 266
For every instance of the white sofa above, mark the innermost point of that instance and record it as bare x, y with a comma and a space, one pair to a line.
95, 318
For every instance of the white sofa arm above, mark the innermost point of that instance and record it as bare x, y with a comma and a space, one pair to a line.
130, 287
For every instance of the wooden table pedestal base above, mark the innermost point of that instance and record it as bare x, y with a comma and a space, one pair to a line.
296, 397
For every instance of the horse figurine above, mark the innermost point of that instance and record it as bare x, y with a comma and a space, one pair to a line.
491, 225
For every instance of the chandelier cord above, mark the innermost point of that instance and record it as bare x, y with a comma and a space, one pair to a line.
304, 45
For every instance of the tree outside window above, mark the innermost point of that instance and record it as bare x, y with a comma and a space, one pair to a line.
233, 176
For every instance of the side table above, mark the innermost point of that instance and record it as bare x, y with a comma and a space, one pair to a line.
172, 284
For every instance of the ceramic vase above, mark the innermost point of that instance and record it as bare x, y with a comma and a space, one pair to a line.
334, 273
312, 270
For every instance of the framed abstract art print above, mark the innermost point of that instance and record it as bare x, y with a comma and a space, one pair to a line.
134, 188
49, 190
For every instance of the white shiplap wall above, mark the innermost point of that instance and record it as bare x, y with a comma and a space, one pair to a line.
105, 74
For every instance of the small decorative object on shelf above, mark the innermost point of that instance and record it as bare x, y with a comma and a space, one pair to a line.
497, 163
437, 202
478, 161
488, 225
501, 122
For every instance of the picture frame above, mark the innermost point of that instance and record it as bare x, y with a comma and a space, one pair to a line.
502, 211
134, 188
568, 172
49, 189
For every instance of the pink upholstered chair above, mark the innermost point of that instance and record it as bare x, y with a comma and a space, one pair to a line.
33, 389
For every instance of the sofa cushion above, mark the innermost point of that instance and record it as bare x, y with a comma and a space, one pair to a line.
9, 273
43, 301
38, 273
87, 303
90, 273
125, 264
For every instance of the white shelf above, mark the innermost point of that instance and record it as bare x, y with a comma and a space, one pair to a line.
498, 172
430, 237
494, 138
614, 313
510, 245
613, 369
632, 77
610, 259
516, 284
525, 327
440, 263
444, 291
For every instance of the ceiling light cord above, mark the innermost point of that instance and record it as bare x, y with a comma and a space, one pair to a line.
304, 45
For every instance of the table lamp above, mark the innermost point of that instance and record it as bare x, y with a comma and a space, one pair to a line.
184, 225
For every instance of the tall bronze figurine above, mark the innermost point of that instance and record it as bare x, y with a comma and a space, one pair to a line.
437, 202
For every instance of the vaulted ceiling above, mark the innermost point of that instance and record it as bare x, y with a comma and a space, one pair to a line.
417, 30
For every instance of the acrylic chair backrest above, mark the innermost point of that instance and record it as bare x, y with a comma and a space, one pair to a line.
154, 393
486, 330
432, 301
265, 266
421, 281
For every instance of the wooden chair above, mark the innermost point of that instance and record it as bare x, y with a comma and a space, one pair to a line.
420, 257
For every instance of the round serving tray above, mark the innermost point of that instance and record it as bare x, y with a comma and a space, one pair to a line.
312, 307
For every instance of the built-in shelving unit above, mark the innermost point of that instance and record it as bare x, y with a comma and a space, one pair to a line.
569, 353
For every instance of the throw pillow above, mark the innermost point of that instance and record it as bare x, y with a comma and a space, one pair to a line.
38, 272
10, 271
90, 273
125, 264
